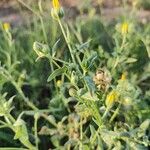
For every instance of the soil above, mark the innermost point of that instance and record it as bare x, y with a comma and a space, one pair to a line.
9, 10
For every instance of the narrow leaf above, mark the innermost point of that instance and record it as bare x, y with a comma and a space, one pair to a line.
56, 73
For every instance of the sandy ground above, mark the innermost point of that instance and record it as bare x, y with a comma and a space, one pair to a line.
9, 10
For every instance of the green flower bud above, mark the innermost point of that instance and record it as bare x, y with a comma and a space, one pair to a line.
40, 49
72, 92
57, 13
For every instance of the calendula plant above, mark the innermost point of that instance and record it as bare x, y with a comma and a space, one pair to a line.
88, 88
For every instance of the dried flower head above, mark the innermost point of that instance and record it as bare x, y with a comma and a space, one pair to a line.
102, 79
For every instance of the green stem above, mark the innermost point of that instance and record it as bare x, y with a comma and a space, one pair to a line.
64, 62
95, 135
11, 118
4, 126
105, 113
43, 28
3, 123
26, 100
81, 135
115, 113
66, 39
35, 131
123, 43
52, 69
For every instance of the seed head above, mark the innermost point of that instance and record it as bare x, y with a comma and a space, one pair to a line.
102, 79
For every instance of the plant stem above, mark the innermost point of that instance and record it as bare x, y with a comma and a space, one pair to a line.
115, 113
11, 118
123, 43
95, 135
81, 135
3, 126
26, 100
35, 131
66, 39
105, 113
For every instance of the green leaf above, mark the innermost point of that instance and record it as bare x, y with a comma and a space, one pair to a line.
20, 130
86, 147
131, 60
91, 60
89, 83
93, 132
83, 46
56, 73
55, 140
145, 125
55, 46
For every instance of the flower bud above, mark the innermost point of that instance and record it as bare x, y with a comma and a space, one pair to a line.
6, 26
123, 76
74, 77
40, 49
72, 92
59, 83
57, 11
124, 28
111, 98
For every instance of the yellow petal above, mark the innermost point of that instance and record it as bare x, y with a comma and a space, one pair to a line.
123, 76
6, 26
124, 28
56, 4
111, 98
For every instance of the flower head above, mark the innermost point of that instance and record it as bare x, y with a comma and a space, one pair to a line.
57, 11
56, 4
6, 26
102, 79
124, 28
123, 76
111, 98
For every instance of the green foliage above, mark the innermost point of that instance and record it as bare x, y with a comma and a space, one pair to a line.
88, 90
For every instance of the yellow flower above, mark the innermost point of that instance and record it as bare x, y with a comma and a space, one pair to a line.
57, 11
56, 4
111, 98
123, 76
124, 28
6, 26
